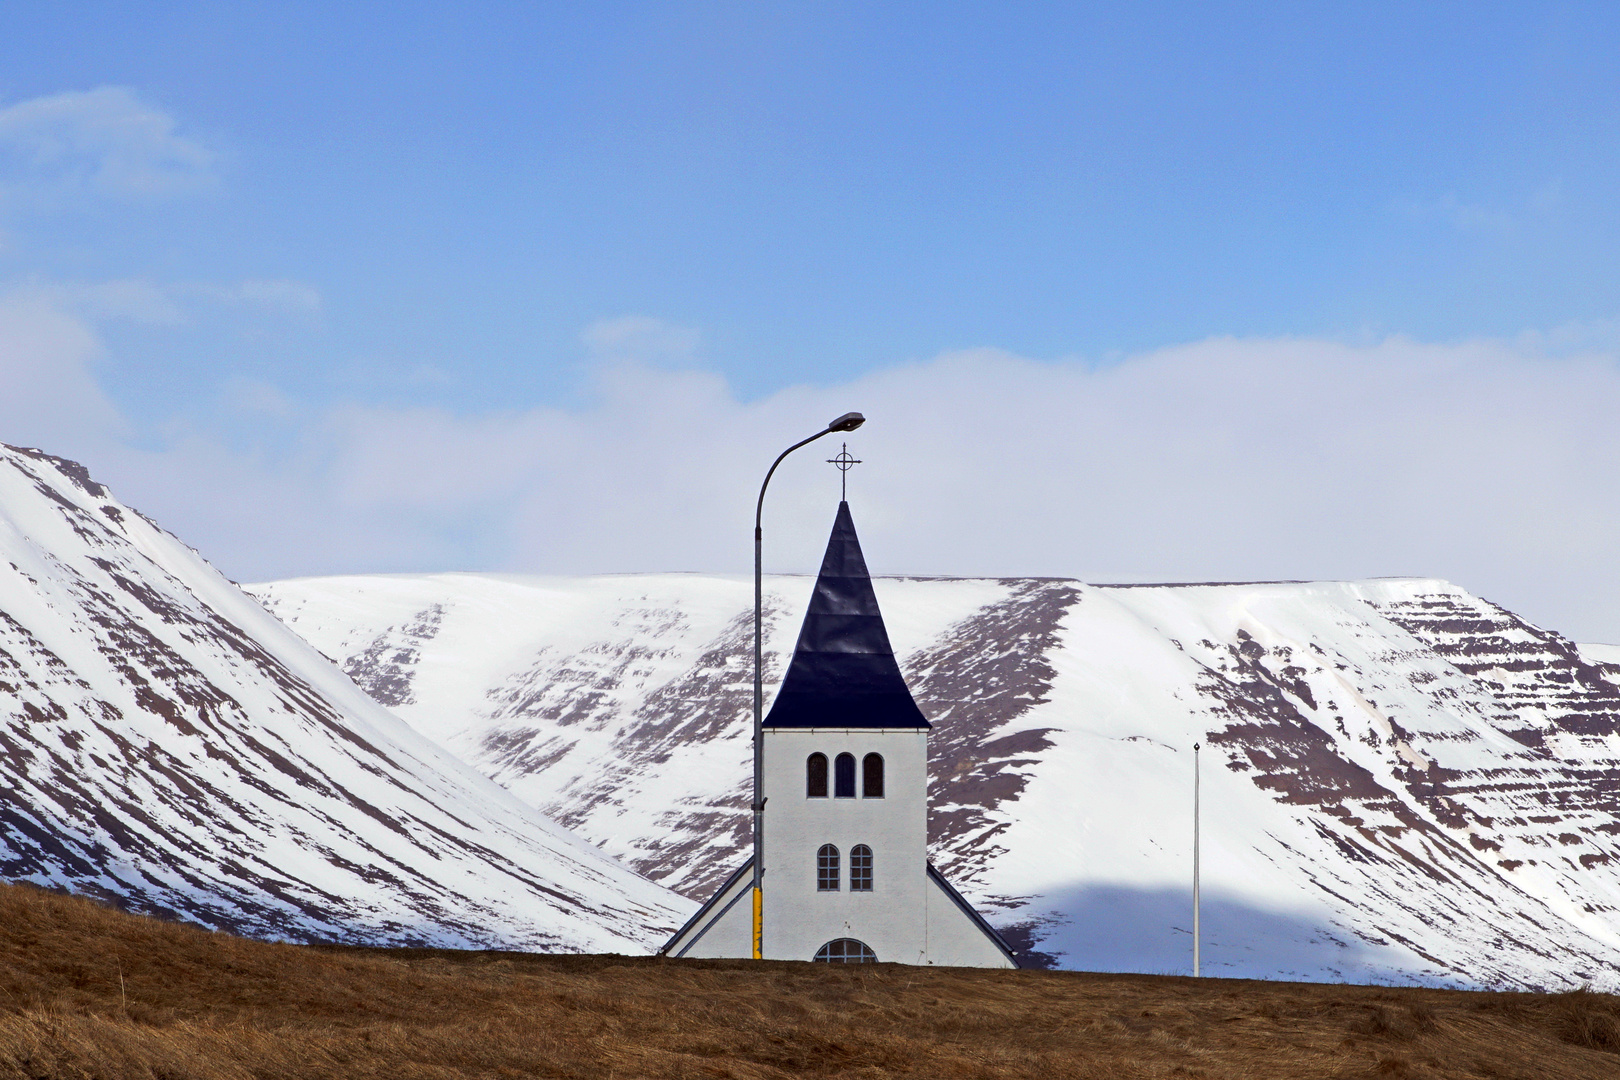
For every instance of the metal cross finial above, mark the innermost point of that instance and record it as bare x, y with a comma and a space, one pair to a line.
844, 463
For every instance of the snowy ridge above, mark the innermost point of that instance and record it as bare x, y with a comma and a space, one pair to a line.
168, 745
1401, 781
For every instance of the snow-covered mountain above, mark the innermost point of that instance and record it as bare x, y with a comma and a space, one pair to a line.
168, 745
1400, 780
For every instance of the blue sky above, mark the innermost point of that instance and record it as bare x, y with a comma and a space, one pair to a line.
268, 249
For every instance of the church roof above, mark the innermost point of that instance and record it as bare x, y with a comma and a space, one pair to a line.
843, 673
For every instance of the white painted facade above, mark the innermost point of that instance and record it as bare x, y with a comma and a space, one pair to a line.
799, 919
843, 697
910, 916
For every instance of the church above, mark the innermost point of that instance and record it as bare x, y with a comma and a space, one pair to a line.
846, 821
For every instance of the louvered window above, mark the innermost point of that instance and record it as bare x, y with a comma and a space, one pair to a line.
872, 776
844, 777
815, 776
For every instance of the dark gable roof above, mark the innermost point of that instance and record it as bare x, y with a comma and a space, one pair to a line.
843, 673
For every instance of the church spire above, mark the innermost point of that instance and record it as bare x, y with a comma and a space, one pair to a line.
843, 673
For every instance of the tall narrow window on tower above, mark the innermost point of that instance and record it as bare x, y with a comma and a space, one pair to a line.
844, 777
872, 776
827, 869
815, 776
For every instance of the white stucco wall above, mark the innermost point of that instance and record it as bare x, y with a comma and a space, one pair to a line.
798, 919
907, 918
954, 939
724, 930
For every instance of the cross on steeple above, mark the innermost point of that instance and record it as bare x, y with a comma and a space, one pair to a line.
844, 463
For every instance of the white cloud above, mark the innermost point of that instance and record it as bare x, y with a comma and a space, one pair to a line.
1225, 459
104, 140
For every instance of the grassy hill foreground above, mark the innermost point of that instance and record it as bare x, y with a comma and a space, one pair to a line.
90, 992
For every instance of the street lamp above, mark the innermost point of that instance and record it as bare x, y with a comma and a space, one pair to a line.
848, 422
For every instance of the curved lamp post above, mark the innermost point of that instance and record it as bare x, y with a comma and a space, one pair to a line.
848, 422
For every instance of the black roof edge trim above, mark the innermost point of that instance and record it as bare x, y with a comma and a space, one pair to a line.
846, 730
708, 906
968, 910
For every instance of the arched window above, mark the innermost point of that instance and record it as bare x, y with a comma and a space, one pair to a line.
872, 776
827, 869
844, 777
815, 776
860, 868
846, 950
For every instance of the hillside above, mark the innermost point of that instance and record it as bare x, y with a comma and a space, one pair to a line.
85, 991
169, 746
1401, 781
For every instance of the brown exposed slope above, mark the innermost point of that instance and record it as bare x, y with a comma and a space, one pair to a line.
85, 991
978, 683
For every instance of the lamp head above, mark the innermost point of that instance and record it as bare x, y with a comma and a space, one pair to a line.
848, 422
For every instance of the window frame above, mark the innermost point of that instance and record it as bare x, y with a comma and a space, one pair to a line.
860, 868
828, 869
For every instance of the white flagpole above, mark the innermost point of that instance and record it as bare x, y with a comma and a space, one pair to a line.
1196, 927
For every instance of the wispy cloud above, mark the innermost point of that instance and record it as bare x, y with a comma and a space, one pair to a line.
1483, 217
256, 397
138, 300
158, 303
295, 302
105, 141
1584, 336
1460, 214
293, 297
640, 339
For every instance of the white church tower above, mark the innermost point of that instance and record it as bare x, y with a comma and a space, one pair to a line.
846, 823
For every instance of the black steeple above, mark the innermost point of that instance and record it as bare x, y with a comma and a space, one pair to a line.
843, 673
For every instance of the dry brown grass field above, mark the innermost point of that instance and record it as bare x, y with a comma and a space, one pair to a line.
89, 992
